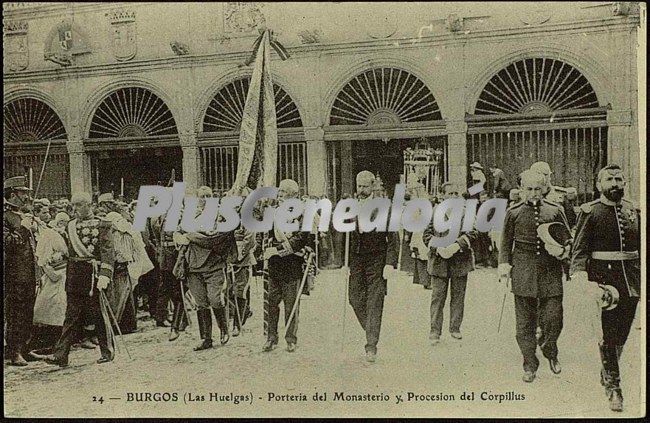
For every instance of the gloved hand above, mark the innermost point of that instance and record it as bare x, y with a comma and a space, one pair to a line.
504, 271
388, 272
554, 250
102, 282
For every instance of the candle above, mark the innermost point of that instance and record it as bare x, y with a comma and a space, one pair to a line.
122, 187
31, 178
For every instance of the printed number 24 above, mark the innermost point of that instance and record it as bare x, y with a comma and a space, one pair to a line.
98, 399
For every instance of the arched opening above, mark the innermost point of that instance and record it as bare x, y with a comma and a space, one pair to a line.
29, 126
374, 119
540, 109
132, 141
220, 136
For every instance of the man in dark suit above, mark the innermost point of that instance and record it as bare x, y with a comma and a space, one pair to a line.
372, 255
448, 267
536, 273
19, 269
90, 270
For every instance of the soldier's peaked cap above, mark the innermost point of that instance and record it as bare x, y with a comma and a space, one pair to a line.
554, 233
365, 176
289, 185
16, 183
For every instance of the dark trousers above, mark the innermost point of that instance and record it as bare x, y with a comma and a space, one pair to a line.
285, 291
19, 314
78, 306
367, 291
550, 320
617, 323
457, 286
167, 289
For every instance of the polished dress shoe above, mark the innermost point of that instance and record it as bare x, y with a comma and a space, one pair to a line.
528, 376
52, 359
18, 360
555, 366
269, 346
291, 347
104, 359
204, 345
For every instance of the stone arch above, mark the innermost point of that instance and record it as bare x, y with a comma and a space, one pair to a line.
95, 100
594, 73
203, 101
30, 92
344, 76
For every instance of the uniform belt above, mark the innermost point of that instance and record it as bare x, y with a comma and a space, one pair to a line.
615, 255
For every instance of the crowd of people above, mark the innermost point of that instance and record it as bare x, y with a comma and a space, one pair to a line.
76, 272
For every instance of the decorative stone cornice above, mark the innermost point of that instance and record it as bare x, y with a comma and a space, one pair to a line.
15, 27
121, 16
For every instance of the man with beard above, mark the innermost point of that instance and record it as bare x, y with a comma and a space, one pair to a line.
536, 273
552, 193
19, 268
606, 251
90, 270
285, 273
373, 255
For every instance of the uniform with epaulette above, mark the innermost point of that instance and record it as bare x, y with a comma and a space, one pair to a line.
19, 275
285, 274
536, 277
91, 257
606, 247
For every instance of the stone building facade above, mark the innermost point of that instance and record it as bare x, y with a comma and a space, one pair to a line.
124, 93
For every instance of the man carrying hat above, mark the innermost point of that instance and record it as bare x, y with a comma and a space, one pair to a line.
285, 266
373, 255
19, 268
536, 274
606, 251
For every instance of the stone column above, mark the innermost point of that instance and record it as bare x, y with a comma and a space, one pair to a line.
623, 148
191, 168
80, 172
457, 151
316, 161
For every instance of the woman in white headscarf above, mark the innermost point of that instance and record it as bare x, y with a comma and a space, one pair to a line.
50, 304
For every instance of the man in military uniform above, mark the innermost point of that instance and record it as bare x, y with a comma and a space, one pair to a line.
373, 255
448, 268
285, 267
536, 273
90, 270
552, 193
606, 251
19, 268
207, 255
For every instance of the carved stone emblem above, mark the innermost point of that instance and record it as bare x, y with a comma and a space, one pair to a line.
454, 23
16, 53
64, 42
242, 17
123, 34
310, 36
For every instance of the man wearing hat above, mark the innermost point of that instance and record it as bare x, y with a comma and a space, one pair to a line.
535, 271
19, 268
207, 255
606, 251
285, 254
90, 270
477, 176
373, 255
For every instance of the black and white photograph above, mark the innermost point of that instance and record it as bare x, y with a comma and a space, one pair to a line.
324, 209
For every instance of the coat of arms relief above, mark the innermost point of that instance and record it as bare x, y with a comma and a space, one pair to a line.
16, 53
123, 34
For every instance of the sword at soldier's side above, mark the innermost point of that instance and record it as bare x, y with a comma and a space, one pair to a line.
503, 303
310, 257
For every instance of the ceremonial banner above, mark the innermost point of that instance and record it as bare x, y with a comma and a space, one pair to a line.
258, 137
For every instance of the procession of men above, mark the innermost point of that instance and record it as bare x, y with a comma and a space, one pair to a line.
193, 276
